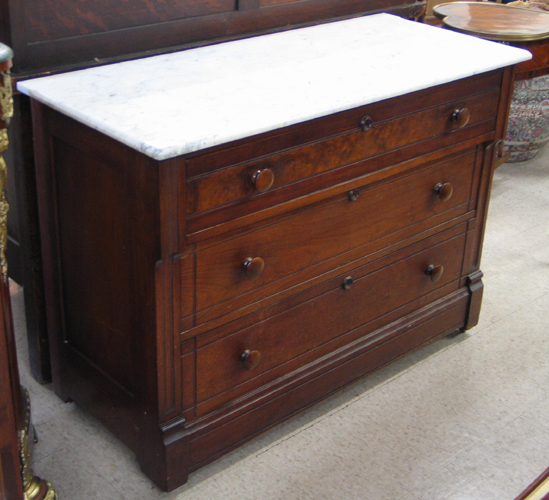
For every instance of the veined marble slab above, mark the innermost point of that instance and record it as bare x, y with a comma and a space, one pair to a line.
169, 105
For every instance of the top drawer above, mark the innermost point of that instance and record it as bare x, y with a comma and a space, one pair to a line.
345, 139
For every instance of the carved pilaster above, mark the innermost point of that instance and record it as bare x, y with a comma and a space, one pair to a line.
6, 112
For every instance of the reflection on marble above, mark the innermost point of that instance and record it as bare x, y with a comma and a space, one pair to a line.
169, 105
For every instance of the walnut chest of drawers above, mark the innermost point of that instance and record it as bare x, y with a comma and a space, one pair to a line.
196, 300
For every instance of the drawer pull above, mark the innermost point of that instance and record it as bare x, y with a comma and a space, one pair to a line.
444, 191
461, 117
263, 179
435, 272
347, 283
250, 359
254, 267
353, 194
366, 123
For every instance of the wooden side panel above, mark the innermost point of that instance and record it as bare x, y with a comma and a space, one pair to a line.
95, 214
97, 317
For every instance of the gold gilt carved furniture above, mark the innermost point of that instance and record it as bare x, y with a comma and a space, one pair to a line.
538, 490
17, 481
261, 224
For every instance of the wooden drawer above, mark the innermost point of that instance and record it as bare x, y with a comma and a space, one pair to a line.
339, 226
302, 330
317, 162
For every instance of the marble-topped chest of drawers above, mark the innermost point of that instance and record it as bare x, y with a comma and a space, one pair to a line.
261, 224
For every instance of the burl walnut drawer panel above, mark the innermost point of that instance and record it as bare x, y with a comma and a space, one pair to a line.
356, 300
260, 257
269, 180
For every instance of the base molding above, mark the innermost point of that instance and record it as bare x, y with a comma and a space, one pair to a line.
191, 445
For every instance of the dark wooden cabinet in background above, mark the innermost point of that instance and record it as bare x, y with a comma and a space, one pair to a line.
58, 35
48, 35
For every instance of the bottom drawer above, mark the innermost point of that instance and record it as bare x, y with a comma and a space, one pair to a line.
254, 356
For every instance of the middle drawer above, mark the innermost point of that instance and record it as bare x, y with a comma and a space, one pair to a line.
258, 258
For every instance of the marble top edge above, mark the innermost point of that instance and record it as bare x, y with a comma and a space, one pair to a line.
220, 93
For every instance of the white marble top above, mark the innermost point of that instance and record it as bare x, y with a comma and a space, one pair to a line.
169, 105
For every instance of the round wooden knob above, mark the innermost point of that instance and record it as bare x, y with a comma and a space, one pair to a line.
444, 191
254, 266
366, 123
435, 272
353, 194
347, 283
263, 179
250, 359
461, 117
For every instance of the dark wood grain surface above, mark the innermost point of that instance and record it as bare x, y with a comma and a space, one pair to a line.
234, 184
308, 326
53, 34
318, 235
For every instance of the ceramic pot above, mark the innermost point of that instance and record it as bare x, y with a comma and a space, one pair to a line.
528, 128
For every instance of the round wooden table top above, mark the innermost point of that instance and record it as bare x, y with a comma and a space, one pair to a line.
494, 21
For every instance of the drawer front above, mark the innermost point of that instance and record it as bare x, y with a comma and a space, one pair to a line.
266, 177
225, 364
261, 257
